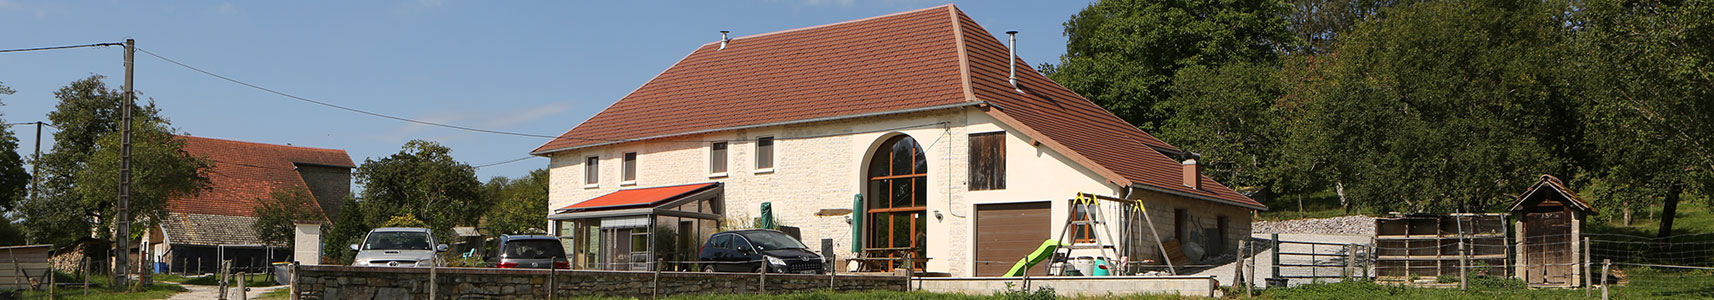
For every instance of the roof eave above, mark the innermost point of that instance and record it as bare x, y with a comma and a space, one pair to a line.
783, 123
1198, 196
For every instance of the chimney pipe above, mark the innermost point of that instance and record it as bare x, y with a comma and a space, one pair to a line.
1192, 174
724, 39
1012, 59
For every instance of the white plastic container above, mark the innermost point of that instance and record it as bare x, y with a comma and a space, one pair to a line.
1084, 264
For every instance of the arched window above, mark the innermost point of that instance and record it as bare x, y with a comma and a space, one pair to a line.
897, 189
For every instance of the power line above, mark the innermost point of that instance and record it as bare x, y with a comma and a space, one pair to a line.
504, 162
204, 72
552, 137
61, 47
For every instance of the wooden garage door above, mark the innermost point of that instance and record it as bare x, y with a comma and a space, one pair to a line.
1008, 232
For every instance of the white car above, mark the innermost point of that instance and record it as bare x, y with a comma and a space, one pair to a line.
398, 247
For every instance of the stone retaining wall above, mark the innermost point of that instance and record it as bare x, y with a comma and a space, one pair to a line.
342, 282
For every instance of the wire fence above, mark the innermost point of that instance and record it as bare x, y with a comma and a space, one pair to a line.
1544, 260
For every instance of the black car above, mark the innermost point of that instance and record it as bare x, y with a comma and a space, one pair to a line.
528, 252
753, 250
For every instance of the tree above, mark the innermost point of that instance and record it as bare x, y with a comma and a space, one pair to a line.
161, 170
1124, 54
13, 178
1228, 114
87, 114
422, 181
347, 230
1648, 71
1443, 106
278, 214
520, 206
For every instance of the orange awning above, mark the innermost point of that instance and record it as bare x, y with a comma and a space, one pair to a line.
635, 198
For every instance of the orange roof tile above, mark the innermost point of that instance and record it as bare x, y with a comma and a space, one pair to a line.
922, 59
245, 172
637, 197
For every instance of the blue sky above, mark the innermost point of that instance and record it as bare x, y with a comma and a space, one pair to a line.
532, 67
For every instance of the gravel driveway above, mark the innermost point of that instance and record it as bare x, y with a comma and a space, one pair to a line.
206, 292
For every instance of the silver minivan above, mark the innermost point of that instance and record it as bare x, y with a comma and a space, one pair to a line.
398, 247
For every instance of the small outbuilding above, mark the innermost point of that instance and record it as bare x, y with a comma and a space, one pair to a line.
1549, 234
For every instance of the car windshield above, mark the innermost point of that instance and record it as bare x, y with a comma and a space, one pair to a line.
765, 240
397, 240
541, 248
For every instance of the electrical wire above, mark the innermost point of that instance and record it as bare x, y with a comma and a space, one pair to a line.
283, 94
61, 47
504, 162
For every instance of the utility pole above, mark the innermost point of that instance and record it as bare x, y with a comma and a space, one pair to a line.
36, 164
122, 238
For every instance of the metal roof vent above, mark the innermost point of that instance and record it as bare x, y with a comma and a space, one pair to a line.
724, 39
1012, 59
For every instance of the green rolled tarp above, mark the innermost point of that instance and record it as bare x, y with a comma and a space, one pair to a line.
857, 223
767, 219
1042, 253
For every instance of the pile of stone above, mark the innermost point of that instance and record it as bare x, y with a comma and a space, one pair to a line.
1347, 225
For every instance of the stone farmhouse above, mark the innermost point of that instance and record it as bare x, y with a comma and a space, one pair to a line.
198, 231
902, 134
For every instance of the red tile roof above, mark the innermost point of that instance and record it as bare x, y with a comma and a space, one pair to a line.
245, 172
638, 197
922, 59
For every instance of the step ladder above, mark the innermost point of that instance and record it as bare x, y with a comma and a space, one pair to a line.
1100, 239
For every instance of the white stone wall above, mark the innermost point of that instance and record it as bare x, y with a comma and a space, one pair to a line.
820, 166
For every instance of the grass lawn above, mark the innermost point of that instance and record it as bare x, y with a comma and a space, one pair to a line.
98, 291
277, 294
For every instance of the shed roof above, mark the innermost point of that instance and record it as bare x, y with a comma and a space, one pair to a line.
1549, 185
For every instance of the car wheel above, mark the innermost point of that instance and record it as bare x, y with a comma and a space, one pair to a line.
709, 269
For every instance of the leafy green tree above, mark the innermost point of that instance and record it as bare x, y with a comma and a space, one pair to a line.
422, 181
278, 214
13, 179
1443, 106
1124, 54
87, 116
1648, 73
1228, 114
347, 230
160, 170
520, 206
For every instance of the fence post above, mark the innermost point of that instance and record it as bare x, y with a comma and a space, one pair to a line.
431, 282
1463, 266
553, 277
1350, 262
85, 273
1606, 266
1238, 272
51, 275
655, 287
293, 272
224, 268
242, 294
832, 271
1588, 265
1249, 264
762, 281
1276, 239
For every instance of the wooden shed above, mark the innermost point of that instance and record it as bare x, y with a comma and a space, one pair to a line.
1549, 234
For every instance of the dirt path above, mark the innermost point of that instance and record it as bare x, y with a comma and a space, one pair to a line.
205, 292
